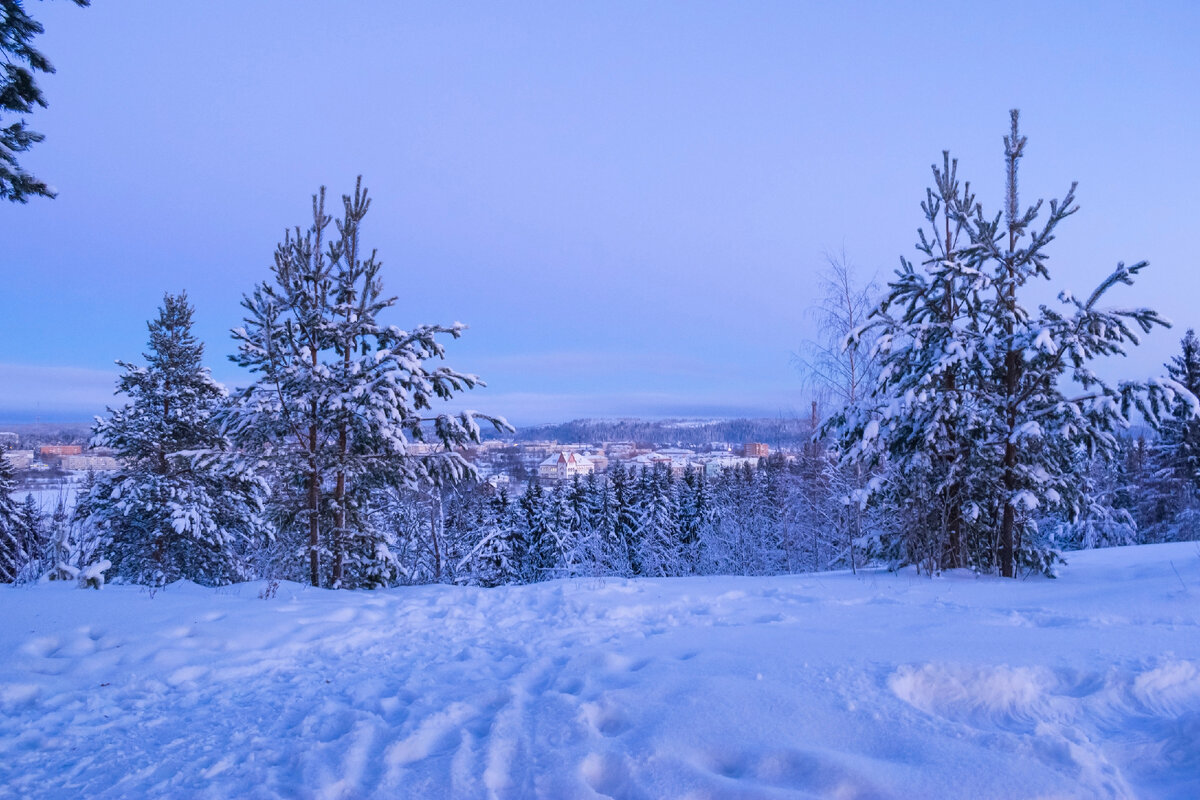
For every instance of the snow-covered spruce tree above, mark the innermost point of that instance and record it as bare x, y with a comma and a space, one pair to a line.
64, 551
695, 513
619, 520
658, 552
546, 552
587, 499
339, 396
495, 560
406, 522
1179, 442
729, 543
975, 402
32, 539
175, 508
12, 555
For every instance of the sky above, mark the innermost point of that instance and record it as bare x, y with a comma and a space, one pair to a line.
630, 204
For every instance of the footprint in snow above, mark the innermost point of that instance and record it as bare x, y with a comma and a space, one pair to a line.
41, 647
186, 675
609, 774
605, 718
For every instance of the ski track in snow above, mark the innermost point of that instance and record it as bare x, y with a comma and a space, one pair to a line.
869, 686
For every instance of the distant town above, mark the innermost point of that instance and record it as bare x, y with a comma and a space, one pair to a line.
548, 453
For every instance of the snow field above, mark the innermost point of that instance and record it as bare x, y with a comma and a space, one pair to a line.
868, 686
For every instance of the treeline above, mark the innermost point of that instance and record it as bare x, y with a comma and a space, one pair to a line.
648, 522
787, 515
32, 435
782, 432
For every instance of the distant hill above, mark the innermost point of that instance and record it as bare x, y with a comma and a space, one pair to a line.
35, 434
776, 432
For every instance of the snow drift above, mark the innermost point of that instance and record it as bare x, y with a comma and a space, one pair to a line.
833, 685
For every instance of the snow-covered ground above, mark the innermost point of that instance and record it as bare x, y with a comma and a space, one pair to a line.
842, 686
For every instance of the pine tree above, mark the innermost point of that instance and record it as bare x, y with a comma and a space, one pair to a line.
19, 95
176, 508
970, 414
339, 396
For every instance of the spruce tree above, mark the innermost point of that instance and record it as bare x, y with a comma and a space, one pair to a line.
538, 526
496, 559
1180, 429
176, 508
11, 553
620, 520
658, 542
32, 538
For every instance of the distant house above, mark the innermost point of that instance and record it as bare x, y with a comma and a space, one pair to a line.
756, 450
20, 459
58, 450
564, 465
714, 466
88, 462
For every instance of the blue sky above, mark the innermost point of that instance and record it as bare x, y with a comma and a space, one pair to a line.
628, 203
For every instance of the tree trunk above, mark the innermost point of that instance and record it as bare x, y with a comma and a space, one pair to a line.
339, 535
435, 507
314, 502
1011, 364
1007, 524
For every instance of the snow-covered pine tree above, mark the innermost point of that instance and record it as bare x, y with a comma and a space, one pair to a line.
11, 553
918, 413
19, 95
971, 404
1105, 520
175, 509
339, 396
1029, 416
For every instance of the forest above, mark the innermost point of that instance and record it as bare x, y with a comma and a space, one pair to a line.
967, 430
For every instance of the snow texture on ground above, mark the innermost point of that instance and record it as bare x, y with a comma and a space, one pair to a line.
868, 686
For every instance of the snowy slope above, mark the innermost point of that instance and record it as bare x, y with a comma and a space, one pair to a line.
872, 686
